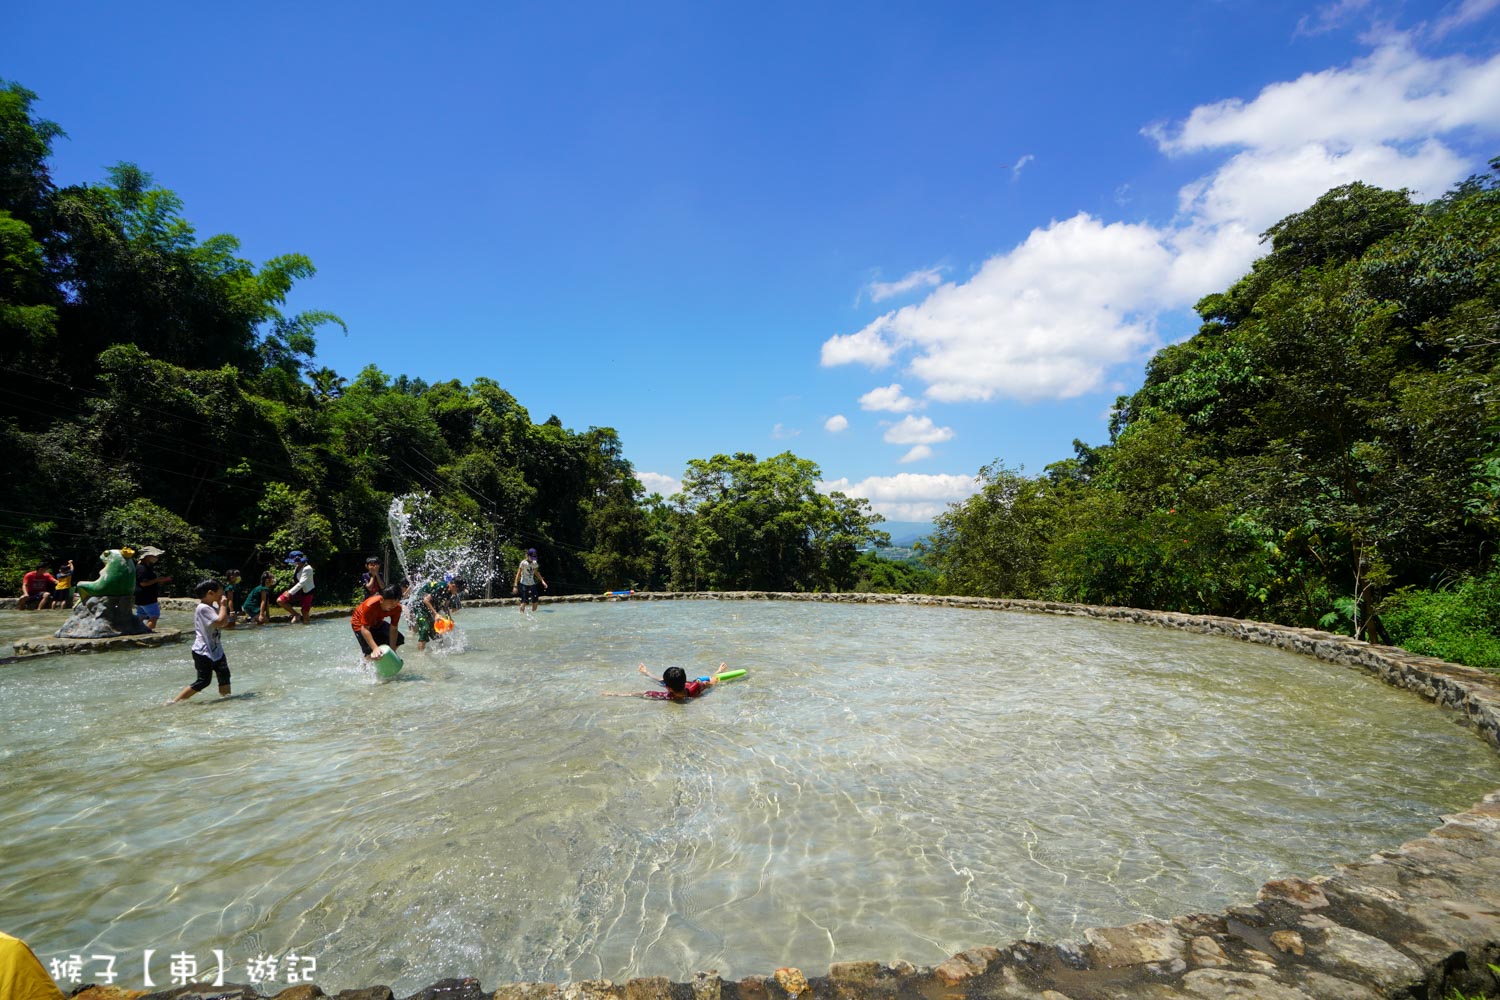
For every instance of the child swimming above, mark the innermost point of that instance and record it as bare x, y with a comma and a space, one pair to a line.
674, 679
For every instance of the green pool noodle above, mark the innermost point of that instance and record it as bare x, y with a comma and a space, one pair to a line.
730, 675
389, 664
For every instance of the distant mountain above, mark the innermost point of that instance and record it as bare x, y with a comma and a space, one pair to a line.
905, 533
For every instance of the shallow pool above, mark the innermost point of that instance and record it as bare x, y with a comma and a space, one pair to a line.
888, 782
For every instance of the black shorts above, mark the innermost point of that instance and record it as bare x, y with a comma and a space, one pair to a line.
382, 633
530, 593
207, 668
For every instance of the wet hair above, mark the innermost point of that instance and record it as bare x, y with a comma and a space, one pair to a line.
457, 582
43, 565
205, 586
371, 559
675, 678
392, 593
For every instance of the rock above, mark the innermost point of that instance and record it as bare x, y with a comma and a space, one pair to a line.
102, 618
707, 986
1297, 892
107, 993
1199, 924
1054, 995
1207, 953
590, 989
1326, 987
1147, 942
368, 993
1225, 984
1288, 941
793, 981
1259, 960
752, 988
649, 988
302, 991
523, 991
853, 979
206, 991
965, 965
1247, 915
452, 989
1342, 950
1072, 954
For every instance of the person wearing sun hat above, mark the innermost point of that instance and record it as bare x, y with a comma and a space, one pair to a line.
302, 589
147, 584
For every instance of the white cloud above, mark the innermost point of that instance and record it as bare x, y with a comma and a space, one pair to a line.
1330, 17
879, 291
866, 347
1393, 95
917, 430
782, 433
1043, 321
918, 453
1019, 165
836, 423
889, 398
1468, 11
908, 496
1054, 317
655, 482
1257, 187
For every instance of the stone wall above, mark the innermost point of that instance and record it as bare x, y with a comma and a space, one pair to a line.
1416, 921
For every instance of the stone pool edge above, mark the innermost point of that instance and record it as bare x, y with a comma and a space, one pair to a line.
1419, 920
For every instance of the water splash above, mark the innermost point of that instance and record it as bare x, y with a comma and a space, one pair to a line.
433, 543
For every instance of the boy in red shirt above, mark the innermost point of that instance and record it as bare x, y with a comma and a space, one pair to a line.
374, 621
36, 589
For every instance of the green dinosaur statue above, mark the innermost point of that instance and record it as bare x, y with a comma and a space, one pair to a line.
117, 579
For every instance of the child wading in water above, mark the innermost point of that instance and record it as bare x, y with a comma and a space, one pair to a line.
209, 617
674, 679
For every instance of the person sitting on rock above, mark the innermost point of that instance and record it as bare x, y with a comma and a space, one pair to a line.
36, 589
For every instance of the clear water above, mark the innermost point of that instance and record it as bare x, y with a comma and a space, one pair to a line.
888, 782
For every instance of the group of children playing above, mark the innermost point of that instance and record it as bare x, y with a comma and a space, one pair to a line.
374, 621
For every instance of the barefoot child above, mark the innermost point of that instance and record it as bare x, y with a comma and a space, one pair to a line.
209, 617
258, 601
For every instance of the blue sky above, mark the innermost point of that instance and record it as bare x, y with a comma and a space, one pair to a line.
902, 240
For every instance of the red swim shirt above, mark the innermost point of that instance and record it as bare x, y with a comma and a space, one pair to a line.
370, 613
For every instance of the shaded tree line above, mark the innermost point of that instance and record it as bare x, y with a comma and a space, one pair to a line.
158, 392
1326, 447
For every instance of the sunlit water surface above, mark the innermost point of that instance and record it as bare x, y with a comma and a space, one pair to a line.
887, 782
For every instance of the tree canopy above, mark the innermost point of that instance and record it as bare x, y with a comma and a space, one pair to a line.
160, 393
1329, 436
